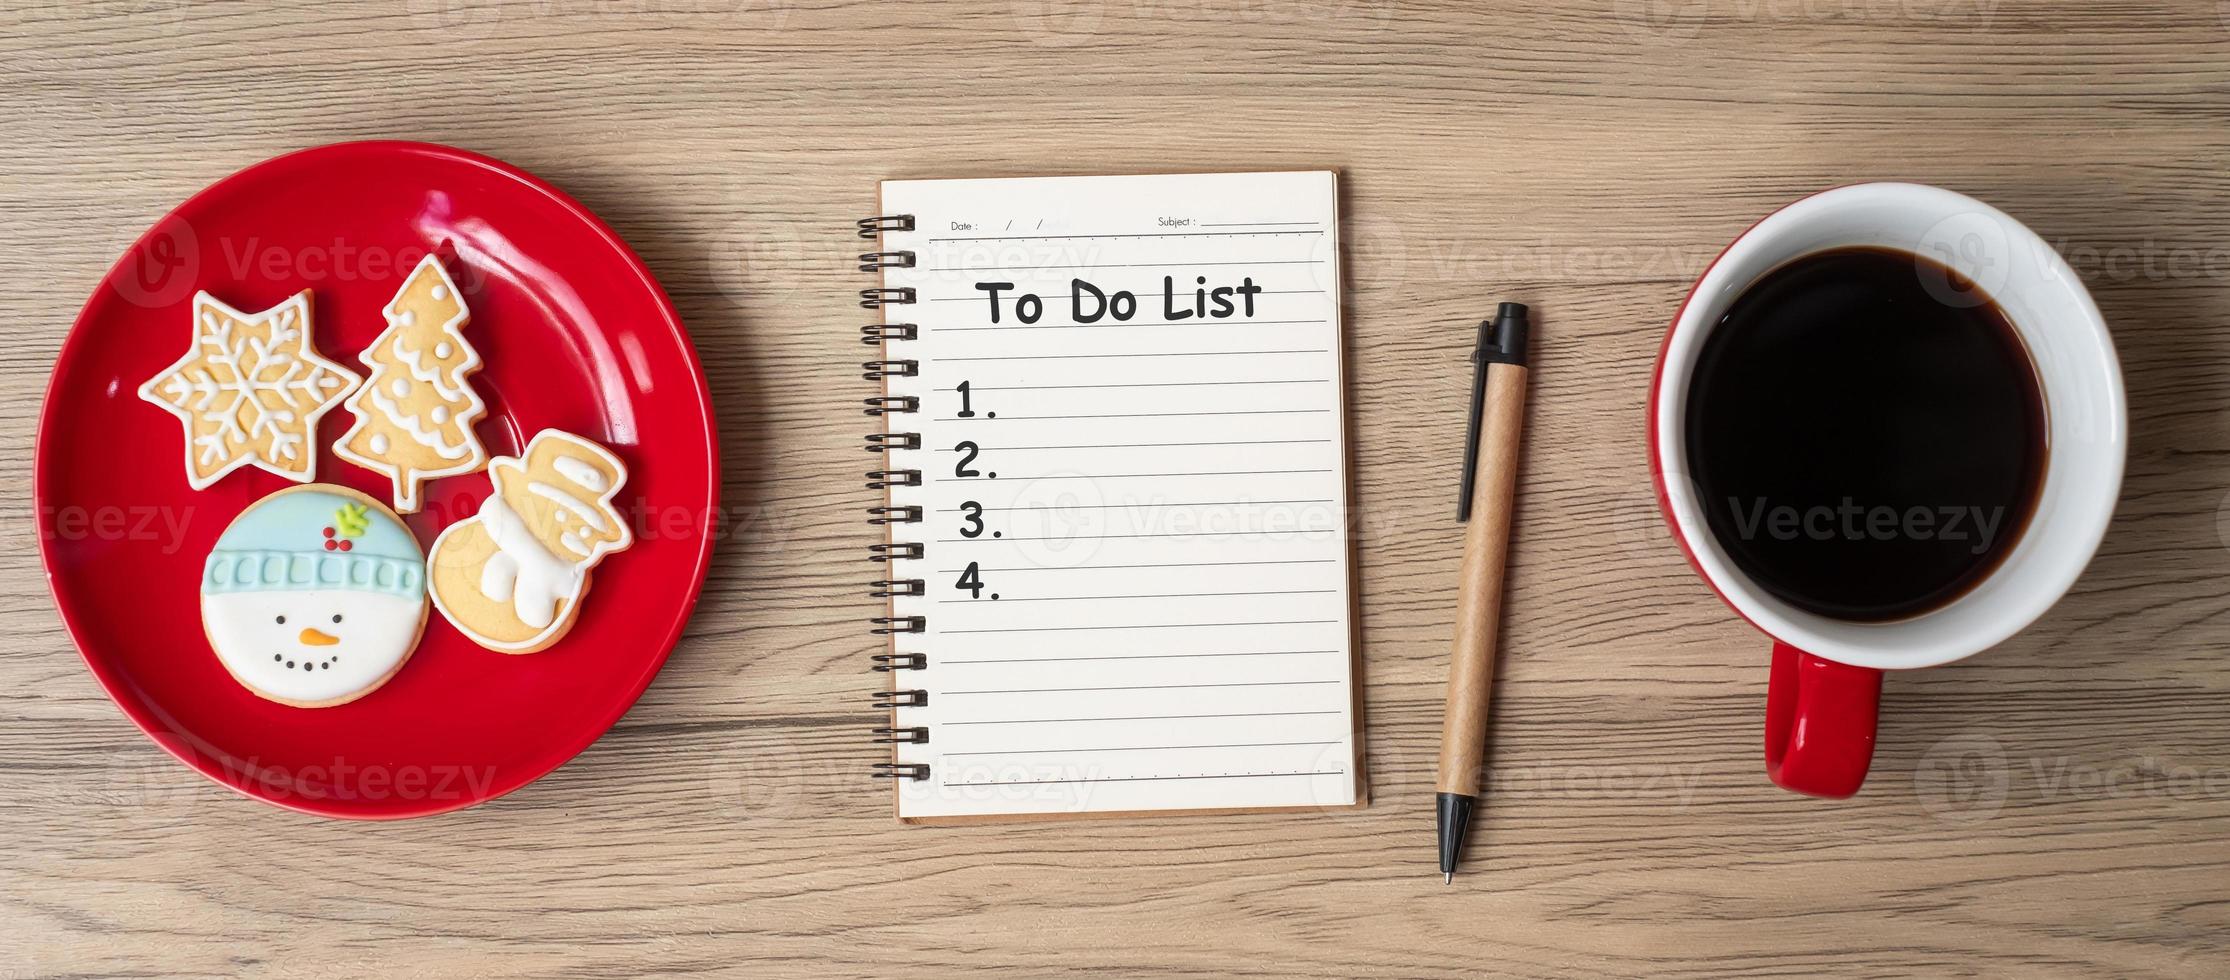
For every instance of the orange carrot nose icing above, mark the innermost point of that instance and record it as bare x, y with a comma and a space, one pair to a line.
311, 637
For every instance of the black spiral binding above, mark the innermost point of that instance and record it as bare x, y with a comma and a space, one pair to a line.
889, 515
900, 699
875, 227
916, 735
875, 299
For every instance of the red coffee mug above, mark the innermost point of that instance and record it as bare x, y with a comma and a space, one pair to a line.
1825, 687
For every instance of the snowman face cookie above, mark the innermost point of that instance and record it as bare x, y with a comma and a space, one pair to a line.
315, 596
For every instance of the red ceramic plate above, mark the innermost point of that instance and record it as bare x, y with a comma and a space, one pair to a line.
576, 336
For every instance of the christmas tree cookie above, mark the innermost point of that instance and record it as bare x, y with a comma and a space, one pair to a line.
250, 391
314, 596
414, 415
512, 577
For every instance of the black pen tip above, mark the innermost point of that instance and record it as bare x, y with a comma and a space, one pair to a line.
1454, 816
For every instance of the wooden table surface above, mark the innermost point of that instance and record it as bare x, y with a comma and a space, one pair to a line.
2058, 806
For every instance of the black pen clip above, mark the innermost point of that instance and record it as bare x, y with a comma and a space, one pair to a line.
1502, 339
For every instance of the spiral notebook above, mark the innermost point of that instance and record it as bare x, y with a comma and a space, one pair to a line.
1114, 453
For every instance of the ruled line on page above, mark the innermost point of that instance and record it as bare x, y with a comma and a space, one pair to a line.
1141, 234
1164, 595
1167, 564
1145, 779
1141, 687
1135, 476
1138, 656
1140, 626
1157, 504
1227, 714
1149, 353
1147, 384
1141, 748
1133, 415
1293, 532
1142, 445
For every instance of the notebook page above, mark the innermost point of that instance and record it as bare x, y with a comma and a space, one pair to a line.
1134, 485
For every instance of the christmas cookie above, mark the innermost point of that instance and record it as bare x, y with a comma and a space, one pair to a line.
512, 578
314, 596
250, 391
414, 416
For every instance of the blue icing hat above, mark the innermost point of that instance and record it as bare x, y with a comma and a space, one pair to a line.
293, 540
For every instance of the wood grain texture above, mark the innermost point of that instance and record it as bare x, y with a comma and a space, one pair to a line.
2058, 806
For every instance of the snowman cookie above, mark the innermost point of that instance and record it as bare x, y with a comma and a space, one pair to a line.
513, 576
314, 596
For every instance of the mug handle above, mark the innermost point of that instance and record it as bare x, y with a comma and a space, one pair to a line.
1819, 723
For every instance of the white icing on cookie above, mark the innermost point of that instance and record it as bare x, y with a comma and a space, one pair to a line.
579, 507
430, 375
379, 442
400, 419
579, 471
292, 660
536, 581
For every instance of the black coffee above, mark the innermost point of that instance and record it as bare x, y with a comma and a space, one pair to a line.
1866, 434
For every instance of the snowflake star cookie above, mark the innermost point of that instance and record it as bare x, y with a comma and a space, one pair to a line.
414, 416
314, 596
512, 577
250, 391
